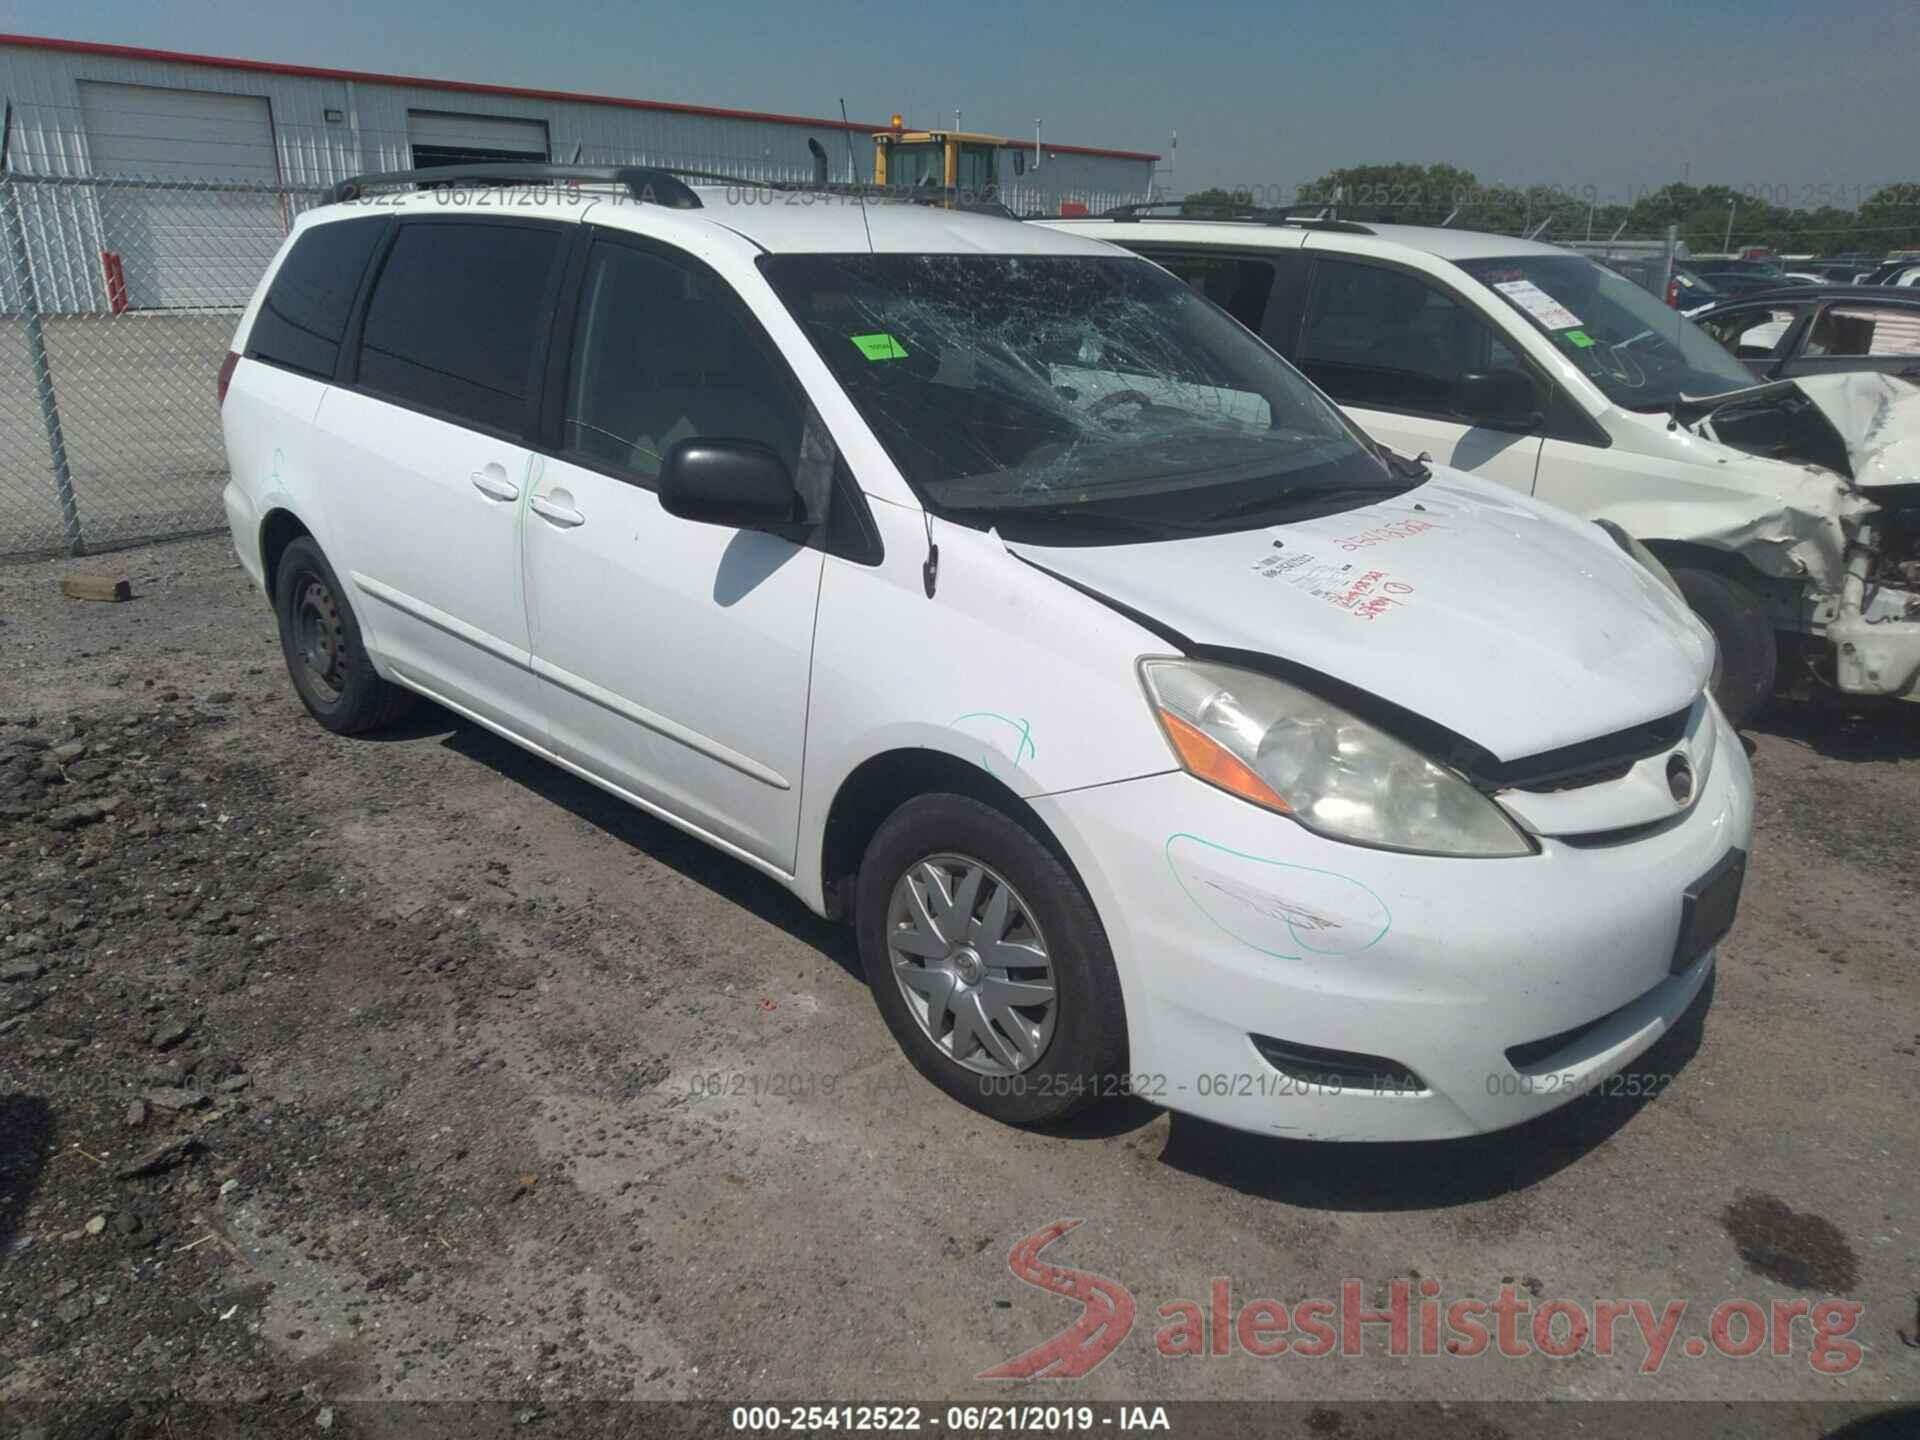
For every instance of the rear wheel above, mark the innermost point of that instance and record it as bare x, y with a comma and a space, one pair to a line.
321, 641
988, 962
1747, 657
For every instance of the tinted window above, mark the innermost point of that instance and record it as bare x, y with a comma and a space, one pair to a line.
456, 316
1391, 340
1859, 330
665, 352
1238, 285
305, 313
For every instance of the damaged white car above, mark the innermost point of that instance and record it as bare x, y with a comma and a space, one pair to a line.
1788, 513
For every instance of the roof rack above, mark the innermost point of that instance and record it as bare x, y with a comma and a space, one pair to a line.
1322, 218
645, 183
948, 196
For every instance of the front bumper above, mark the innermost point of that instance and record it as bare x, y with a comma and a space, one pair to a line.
1876, 646
1228, 922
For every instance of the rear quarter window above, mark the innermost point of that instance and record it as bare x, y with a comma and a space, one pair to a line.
304, 315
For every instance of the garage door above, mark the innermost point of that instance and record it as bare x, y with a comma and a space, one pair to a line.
184, 246
440, 138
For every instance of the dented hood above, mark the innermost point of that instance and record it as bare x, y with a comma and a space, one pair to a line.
1519, 628
1877, 418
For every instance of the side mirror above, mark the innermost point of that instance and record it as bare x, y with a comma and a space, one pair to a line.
1503, 398
736, 483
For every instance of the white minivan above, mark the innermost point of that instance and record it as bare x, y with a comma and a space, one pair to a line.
1788, 513
988, 588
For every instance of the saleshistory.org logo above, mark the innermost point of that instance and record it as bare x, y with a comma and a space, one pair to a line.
1412, 1320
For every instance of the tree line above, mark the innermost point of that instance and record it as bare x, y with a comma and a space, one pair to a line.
1813, 219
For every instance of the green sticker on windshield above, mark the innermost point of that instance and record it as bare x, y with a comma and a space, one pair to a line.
879, 347
1579, 338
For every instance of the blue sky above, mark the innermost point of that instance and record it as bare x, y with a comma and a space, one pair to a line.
1618, 95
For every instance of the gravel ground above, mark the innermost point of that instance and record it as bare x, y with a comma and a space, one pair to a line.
338, 1071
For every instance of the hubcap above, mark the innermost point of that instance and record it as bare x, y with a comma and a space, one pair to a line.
971, 964
319, 637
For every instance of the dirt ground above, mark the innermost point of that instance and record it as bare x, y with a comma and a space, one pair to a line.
407, 1068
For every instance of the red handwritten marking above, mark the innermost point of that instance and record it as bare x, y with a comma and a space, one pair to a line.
1103, 1324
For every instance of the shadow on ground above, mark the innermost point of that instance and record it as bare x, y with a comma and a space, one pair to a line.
1845, 727
732, 880
26, 1145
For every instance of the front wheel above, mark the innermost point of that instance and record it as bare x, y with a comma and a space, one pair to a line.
988, 962
1748, 656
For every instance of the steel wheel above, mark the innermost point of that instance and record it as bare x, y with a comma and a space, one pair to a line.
971, 964
319, 638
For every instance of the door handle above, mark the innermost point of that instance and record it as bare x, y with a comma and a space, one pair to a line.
492, 482
554, 509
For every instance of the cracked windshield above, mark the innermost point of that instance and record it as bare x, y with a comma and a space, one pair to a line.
1022, 389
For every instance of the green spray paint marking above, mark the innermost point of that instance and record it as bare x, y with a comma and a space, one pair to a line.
279, 457
1023, 748
1386, 923
879, 347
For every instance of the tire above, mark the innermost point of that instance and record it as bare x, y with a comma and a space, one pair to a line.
1749, 657
1074, 1047
320, 639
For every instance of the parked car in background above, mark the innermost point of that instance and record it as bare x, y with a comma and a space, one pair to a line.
1902, 274
1814, 329
985, 587
1749, 278
1840, 271
1789, 513
1731, 265
1686, 289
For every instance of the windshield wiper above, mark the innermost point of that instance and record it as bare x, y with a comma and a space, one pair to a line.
1318, 490
1084, 513
1414, 469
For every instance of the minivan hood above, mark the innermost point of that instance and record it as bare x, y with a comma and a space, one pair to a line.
1860, 424
1508, 623
1877, 418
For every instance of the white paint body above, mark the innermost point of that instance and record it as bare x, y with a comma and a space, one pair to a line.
730, 682
1796, 525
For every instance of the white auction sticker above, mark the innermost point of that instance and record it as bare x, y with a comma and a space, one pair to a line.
1537, 303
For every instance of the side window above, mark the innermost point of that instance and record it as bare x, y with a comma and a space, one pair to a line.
664, 352
1239, 285
1390, 340
1756, 332
304, 314
457, 315
1865, 330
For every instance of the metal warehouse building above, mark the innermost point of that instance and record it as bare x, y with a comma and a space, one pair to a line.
225, 152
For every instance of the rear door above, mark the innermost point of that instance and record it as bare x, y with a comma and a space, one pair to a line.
428, 435
1390, 345
673, 656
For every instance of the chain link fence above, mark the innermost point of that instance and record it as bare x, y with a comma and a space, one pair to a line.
120, 297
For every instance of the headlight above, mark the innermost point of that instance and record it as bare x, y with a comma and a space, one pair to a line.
1266, 741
